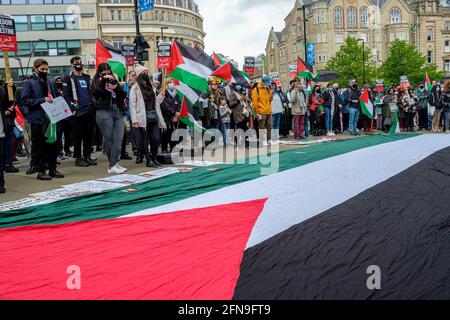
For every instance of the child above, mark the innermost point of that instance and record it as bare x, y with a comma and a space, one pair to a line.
225, 117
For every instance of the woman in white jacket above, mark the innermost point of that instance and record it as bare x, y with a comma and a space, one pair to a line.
146, 116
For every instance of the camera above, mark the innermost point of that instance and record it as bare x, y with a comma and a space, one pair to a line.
112, 81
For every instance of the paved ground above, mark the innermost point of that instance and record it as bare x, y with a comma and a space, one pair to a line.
19, 185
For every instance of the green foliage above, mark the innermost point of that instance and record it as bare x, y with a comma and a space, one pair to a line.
404, 59
349, 63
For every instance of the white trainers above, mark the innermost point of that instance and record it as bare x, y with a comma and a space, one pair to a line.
121, 168
115, 170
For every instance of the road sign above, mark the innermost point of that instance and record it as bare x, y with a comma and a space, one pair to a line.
164, 52
129, 50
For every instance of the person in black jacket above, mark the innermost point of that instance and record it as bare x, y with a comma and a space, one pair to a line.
77, 92
170, 109
44, 150
352, 98
9, 116
435, 100
110, 112
5, 112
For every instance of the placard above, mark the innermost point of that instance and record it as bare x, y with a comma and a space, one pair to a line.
8, 40
58, 110
164, 52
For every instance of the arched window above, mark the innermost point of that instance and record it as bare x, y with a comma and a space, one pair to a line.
339, 18
364, 13
396, 15
351, 17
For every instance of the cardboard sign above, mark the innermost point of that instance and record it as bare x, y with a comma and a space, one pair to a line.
8, 40
292, 71
164, 52
379, 87
58, 110
404, 82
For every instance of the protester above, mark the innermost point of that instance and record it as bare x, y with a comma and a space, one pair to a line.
353, 95
65, 126
435, 100
316, 100
277, 111
77, 93
262, 97
6, 111
422, 107
225, 120
299, 108
133, 132
446, 103
146, 116
110, 111
331, 103
44, 149
170, 108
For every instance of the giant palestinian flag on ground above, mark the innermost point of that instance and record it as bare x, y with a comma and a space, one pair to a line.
309, 231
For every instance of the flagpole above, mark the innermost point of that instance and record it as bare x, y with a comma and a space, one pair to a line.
138, 31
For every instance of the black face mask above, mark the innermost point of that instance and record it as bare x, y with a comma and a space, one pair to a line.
78, 67
355, 86
59, 86
42, 75
145, 77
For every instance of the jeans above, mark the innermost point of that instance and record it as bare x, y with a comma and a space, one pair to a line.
276, 123
353, 122
111, 126
328, 119
225, 128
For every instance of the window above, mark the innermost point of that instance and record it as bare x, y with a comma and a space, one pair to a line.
339, 18
324, 37
72, 21
23, 49
21, 23
74, 47
318, 38
396, 15
446, 25
351, 17
339, 38
365, 37
364, 17
37, 22
429, 57
447, 46
117, 42
323, 16
429, 34
447, 65
401, 36
116, 15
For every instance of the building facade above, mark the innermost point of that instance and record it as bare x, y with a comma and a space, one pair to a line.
54, 30
377, 23
180, 18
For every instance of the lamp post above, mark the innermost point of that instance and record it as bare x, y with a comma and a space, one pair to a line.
303, 8
32, 53
364, 60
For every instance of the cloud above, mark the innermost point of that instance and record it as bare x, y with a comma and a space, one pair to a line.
239, 28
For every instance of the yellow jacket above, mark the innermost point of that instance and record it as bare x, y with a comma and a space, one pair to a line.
262, 98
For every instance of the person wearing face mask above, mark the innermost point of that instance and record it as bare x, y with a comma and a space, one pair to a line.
435, 100
64, 127
110, 112
277, 111
78, 96
262, 97
44, 149
146, 116
170, 108
422, 107
445, 97
352, 95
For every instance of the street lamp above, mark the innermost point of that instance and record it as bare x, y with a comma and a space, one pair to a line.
364, 60
32, 53
303, 7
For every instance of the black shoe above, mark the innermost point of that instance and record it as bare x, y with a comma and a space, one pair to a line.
156, 162
151, 164
31, 170
126, 157
12, 169
81, 163
98, 149
55, 174
2, 190
90, 161
139, 160
43, 176
69, 154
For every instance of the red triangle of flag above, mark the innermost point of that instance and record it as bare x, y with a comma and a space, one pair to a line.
224, 72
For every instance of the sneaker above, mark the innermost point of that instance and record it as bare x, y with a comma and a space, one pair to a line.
12, 169
139, 160
126, 157
90, 161
156, 162
31, 170
43, 176
121, 168
81, 163
151, 164
69, 154
56, 174
115, 170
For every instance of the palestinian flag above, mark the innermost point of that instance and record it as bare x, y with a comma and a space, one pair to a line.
187, 92
428, 84
231, 74
193, 67
237, 234
218, 61
302, 70
395, 127
187, 117
366, 105
106, 53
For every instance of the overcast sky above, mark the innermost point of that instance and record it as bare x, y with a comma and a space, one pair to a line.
239, 28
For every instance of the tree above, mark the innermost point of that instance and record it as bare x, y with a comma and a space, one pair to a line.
405, 60
349, 63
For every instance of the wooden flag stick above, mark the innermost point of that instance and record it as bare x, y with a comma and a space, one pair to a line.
163, 79
8, 75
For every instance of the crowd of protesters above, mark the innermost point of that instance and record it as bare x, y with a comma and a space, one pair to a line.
145, 111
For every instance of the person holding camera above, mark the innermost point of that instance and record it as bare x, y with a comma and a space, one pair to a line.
146, 116
110, 111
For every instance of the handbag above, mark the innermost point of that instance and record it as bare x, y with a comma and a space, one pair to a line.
151, 116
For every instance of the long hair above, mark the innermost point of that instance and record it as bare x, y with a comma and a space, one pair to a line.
102, 67
447, 86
